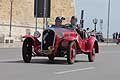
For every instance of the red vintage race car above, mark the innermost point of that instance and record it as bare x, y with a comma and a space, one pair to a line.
59, 42
118, 41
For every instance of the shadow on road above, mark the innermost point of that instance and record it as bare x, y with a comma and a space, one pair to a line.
44, 61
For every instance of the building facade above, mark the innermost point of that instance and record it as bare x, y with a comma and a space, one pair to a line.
23, 19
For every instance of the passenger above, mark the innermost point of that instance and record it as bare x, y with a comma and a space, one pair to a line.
75, 26
73, 23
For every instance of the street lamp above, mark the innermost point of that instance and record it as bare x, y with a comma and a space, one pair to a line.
95, 22
108, 24
11, 6
36, 19
45, 15
101, 25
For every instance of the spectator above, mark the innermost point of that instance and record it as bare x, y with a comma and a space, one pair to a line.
119, 35
116, 37
113, 36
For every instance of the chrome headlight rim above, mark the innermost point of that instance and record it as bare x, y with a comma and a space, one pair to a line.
37, 34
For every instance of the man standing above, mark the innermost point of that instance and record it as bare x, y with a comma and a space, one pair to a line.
119, 35
113, 36
116, 35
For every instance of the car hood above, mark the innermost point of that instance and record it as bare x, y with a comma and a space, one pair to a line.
57, 30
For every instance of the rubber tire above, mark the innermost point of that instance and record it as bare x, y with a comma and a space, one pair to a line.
117, 43
51, 58
69, 61
91, 56
27, 51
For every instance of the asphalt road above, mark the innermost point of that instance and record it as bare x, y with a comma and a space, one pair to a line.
106, 66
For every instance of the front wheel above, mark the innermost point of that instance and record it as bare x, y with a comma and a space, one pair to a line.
27, 51
91, 56
71, 53
51, 58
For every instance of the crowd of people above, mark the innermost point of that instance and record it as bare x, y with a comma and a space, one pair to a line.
116, 35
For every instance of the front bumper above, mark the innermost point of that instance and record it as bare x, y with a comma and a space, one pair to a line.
49, 51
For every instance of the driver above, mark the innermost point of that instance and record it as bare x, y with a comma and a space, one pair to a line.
58, 22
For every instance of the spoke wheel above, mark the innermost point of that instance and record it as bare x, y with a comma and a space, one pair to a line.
71, 53
51, 58
27, 51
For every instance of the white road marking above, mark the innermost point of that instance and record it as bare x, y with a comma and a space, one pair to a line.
18, 59
5, 60
76, 70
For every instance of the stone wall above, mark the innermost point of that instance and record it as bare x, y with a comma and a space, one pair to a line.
23, 15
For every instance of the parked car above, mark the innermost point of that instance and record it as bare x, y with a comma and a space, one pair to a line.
99, 37
59, 42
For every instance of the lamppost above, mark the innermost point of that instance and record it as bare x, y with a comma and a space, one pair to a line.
108, 24
101, 25
11, 6
95, 22
36, 15
82, 20
45, 15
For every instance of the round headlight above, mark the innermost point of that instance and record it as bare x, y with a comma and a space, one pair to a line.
37, 34
60, 34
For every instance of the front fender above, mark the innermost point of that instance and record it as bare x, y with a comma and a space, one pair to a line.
35, 43
118, 40
31, 38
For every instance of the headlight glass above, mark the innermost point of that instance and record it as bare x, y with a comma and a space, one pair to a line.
37, 34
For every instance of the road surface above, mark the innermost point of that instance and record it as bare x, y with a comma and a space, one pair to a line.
106, 66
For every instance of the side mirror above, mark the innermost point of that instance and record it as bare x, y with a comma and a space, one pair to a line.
37, 34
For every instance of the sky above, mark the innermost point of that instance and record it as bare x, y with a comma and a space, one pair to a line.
99, 9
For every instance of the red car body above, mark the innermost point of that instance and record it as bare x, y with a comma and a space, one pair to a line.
59, 42
118, 41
